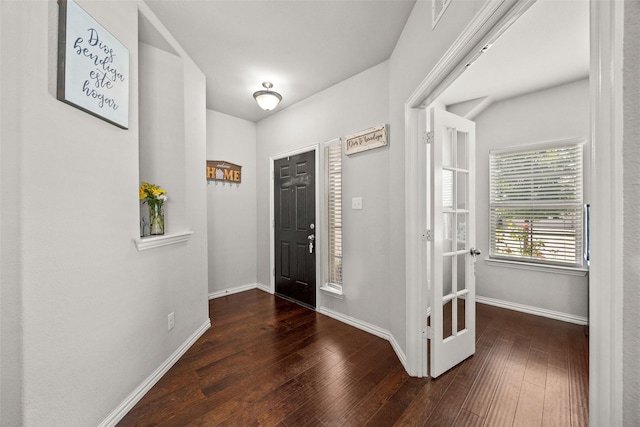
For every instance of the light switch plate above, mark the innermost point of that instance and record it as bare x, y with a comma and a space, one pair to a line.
356, 203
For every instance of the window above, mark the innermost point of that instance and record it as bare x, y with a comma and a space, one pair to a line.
334, 213
536, 208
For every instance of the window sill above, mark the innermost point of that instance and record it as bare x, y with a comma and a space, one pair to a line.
332, 290
152, 242
571, 271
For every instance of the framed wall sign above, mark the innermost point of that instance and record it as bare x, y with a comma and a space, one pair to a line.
93, 66
219, 170
366, 140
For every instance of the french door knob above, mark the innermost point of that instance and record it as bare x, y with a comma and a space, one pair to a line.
475, 252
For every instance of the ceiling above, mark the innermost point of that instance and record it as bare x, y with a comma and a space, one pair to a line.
545, 47
306, 46
302, 46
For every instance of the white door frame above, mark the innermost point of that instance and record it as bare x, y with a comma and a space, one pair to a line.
318, 223
605, 281
605, 275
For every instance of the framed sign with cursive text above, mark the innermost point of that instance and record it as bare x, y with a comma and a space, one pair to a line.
93, 66
366, 140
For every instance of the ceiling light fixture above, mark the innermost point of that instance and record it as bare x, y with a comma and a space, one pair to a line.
267, 99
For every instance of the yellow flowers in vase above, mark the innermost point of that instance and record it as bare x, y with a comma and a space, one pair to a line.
155, 197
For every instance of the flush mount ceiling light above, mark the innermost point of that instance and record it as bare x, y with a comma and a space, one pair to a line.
267, 99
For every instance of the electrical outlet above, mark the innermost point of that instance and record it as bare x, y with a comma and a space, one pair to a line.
171, 321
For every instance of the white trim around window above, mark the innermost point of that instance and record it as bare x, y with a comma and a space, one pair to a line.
536, 204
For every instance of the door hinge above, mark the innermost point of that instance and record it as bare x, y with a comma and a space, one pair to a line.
427, 138
426, 235
427, 332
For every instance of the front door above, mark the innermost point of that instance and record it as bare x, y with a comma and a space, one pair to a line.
453, 332
295, 219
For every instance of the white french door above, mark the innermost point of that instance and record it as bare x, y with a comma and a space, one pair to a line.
452, 217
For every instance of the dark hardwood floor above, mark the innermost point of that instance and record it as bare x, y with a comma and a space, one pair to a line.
267, 361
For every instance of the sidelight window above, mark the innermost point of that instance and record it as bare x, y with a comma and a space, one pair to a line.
334, 213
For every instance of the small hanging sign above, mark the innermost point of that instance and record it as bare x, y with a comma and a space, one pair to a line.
366, 140
219, 170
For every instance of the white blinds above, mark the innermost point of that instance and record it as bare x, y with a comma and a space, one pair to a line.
334, 190
536, 205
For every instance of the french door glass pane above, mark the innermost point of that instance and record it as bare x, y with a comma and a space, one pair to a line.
461, 145
447, 148
461, 314
448, 232
461, 269
461, 231
447, 319
462, 179
447, 189
447, 274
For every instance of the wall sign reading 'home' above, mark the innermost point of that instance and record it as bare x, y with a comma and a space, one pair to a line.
366, 140
93, 66
219, 170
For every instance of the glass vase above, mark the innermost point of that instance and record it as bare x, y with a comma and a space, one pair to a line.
156, 219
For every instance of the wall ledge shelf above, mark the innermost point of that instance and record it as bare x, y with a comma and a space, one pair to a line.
332, 290
152, 242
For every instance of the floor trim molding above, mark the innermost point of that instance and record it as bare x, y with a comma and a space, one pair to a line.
241, 288
117, 414
367, 327
230, 291
264, 288
565, 317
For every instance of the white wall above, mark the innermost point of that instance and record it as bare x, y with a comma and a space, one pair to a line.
232, 208
10, 267
552, 114
91, 315
631, 274
348, 107
10, 295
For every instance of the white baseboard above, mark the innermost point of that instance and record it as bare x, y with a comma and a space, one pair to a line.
265, 288
396, 347
367, 327
571, 318
229, 291
117, 414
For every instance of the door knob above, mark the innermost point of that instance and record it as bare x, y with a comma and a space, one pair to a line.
311, 238
475, 252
